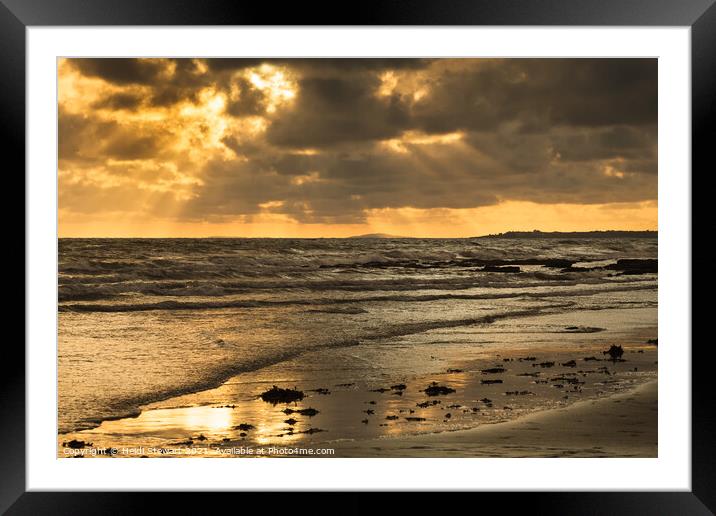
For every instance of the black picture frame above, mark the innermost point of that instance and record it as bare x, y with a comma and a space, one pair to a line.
699, 15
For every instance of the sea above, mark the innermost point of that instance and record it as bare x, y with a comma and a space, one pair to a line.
145, 320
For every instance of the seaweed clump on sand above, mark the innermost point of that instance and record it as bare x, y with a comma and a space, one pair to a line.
614, 352
426, 404
435, 390
277, 395
76, 444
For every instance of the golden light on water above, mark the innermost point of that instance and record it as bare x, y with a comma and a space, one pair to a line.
211, 419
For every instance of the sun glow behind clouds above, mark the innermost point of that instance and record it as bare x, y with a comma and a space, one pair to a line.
279, 88
436, 223
452, 147
402, 144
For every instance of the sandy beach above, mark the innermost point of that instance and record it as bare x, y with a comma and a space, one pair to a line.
622, 425
550, 402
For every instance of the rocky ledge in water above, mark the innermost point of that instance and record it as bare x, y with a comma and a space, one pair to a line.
626, 266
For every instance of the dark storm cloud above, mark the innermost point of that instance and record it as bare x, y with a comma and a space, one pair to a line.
535, 94
541, 130
169, 80
543, 93
319, 65
83, 138
348, 185
121, 70
333, 110
251, 102
637, 143
124, 100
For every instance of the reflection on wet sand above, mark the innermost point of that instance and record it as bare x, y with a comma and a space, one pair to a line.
331, 413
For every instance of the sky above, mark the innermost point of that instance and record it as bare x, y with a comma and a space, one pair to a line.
340, 147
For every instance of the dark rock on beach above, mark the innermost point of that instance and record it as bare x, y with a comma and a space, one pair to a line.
566, 379
426, 404
582, 329
490, 382
435, 390
76, 444
277, 395
494, 370
615, 352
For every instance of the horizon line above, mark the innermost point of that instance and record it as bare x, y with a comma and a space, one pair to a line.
366, 236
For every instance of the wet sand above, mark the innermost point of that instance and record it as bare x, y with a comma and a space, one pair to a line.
579, 405
622, 425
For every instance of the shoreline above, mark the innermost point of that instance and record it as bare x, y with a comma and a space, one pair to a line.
369, 418
633, 338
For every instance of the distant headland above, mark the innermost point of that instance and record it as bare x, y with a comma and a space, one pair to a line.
377, 235
574, 234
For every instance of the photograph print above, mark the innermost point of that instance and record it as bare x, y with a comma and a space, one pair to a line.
359, 257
